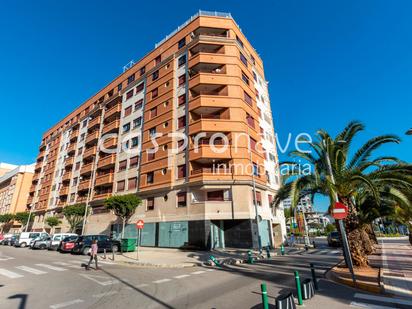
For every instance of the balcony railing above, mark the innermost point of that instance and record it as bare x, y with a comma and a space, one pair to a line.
112, 126
92, 137
64, 190
86, 168
84, 185
113, 110
104, 179
210, 170
90, 152
94, 122
107, 161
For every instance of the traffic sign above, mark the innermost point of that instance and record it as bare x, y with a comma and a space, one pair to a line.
340, 211
140, 225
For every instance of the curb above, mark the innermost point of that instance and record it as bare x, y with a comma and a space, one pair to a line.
359, 285
152, 265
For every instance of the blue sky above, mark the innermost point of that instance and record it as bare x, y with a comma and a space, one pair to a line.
327, 62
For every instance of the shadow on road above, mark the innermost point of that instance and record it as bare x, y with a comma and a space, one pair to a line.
23, 300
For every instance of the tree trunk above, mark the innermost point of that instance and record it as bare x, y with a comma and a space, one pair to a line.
124, 224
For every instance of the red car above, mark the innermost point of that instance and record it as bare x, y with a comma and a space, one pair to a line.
67, 244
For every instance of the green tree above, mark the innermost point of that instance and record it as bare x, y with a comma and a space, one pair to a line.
6, 219
23, 218
53, 222
74, 215
354, 175
329, 228
123, 206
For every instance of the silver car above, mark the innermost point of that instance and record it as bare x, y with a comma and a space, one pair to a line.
40, 243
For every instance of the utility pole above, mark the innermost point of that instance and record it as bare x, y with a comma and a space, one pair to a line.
28, 220
345, 245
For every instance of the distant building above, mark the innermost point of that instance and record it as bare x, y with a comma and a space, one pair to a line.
15, 182
304, 205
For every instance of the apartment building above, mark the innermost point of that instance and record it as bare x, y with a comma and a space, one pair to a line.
15, 183
189, 129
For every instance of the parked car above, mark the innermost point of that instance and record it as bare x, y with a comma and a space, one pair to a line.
25, 238
67, 244
40, 243
84, 243
334, 239
55, 240
8, 239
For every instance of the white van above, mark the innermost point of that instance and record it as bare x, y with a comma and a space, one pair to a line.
57, 238
26, 237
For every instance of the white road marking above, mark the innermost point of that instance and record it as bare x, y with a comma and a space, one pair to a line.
141, 285
66, 264
9, 274
31, 270
162, 280
105, 294
66, 304
51, 267
6, 258
99, 261
198, 272
369, 306
181, 276
98, 279
384, 299
210, 270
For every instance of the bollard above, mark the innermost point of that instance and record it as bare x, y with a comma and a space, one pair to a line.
214, 260
268, 252
282, 249
104, 252
298, 290
307, 289
265, 300
306, 248
112, 255
285, 301
315, 282
249, 257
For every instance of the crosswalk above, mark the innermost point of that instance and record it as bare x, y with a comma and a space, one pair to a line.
314, 251
20, 271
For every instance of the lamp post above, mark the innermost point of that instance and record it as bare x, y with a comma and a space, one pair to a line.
28, 220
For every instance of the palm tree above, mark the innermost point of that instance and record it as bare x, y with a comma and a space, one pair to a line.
338, 175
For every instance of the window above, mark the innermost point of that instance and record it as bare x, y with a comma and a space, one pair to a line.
181, 122
119, 87
129, 94
181, 43
158, 59
267, 177
245, 78
255, 169
182, 79
134, 162
139, 88
150, 203
247, 98
75, 180
243, 59
254, 76
270, 199
150, 155
258, 198
252, 144
155, 75
142, 70
149, 177
253, 59
82, 136
215, 195
239, 41
126, 127
135, 141
122, 165
138, 105
130, 79
128, 111
153, 112
137, 122
132, 183
152, 131
84, 123
181, 61
181, 199
155, 93
77, 167
180, 144
165, 124
182, 99
110, 93
120, 185
181, 171
250, 121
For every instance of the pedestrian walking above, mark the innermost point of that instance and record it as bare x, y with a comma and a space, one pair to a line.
292, 240
93, 254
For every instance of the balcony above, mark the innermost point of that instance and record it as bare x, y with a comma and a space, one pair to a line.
71, 149
40, 156
94, 122
206, 48
206, 89
107, 161
69, 161
92, 137
73, 135
213, 32
215, 125
64, 191
105, 179
101, 195
111, 127
36, 177
210, 173
84, 185
207, 151
116, 109
38, 166
110, 142
90, 152
81, 199
86, 169
207, 68
66, 176
209, 113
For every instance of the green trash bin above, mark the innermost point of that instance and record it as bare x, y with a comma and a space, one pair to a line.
128, 244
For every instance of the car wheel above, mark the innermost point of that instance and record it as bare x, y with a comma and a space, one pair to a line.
85, 250
42, 247
115, 248
23, 245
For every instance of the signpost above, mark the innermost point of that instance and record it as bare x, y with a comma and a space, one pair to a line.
139, 226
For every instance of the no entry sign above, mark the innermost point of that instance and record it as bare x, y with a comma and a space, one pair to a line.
340, 211
140, 225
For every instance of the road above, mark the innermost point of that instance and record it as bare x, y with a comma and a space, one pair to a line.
43, 279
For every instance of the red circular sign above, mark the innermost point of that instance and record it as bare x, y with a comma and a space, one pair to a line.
140, 224
340, 211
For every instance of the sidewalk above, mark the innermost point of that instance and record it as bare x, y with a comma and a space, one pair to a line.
176, 258
397, 269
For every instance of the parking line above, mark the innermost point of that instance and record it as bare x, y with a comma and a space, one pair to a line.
51, 267
384, 299
31, 270
105, 294
181, 276
9, 274
162, 281
198, 272
66, 304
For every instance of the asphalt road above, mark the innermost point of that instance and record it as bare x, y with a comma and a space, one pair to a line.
43, 279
